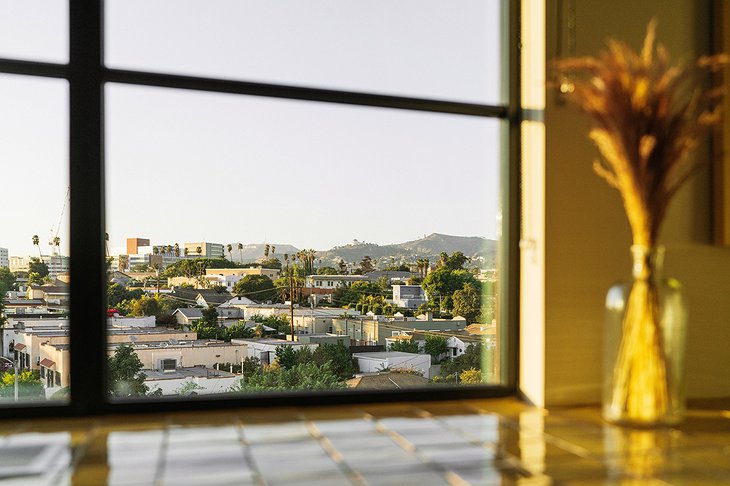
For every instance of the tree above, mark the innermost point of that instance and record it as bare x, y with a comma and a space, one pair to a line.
36, 265
299, 377
286, 356
116, 294
470, 377
435, 346
125, 373
258, 287
338, 357
366, 264
271, 263
326, 271
471, 359
404, 347
266, 251
240, 252
7, 280
29, 384
342, 266
443, 282
34, 278
57, 244
229, 247
198, 250
468, 303
36, 242
455, 261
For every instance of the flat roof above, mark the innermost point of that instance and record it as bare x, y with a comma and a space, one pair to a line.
387, 354
189, 372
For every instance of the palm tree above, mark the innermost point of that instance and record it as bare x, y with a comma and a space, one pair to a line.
187, 251
199, 251
155, 250
57, 244
36, 242
240, 252
273, 250
177, 250
266, 251
229, 247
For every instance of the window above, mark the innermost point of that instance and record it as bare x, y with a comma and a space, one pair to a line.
384, 110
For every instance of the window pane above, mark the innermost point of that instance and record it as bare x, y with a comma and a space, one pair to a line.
417, 48
220, 208
34, 30
34, 242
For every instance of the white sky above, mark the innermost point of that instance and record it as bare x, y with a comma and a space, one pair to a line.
187, 166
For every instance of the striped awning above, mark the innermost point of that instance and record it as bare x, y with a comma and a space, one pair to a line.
47, 363
19, 347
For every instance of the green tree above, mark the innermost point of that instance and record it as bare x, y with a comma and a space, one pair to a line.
472, 358
286, 356
435, 346
270, 263
338, 357
280, 323
7, 280
256, 287
307, 376
116, 294
366, 265
404, 346
468, 303
34, 278
326, 271
145, 306
29, 384
443, 282
125, 373
38, 266
37, 242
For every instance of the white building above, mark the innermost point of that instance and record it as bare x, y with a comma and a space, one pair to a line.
333, 281
393, 360
195, 380
57, 264
409, 296
4, 260
265, 349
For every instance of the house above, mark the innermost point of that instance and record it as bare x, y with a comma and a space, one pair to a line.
375, 329
187, 315
195, 380
331, 282
265, 349
409, 296
318, 320
211, 298
376, 362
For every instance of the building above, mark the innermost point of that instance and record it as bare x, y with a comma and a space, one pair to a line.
207, 250
394, 360
4, 259
57, 264
318, 320
134, 245
409, 296
375, 329
331, 282
272, 273
265, 349
195, 380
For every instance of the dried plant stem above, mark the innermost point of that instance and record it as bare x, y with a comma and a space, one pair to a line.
640, 390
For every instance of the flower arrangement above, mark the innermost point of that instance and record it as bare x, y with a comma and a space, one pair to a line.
649, 116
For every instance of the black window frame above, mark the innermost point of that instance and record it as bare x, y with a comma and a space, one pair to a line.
87, 75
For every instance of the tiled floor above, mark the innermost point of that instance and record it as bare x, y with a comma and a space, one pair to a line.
494, 442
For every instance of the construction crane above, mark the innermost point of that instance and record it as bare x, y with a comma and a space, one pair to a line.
53, 242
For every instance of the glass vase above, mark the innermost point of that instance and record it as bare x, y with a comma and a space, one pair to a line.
644, 346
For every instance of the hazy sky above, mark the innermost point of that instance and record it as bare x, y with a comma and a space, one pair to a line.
187, 166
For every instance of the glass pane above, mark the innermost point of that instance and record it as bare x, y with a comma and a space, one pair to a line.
34, 242
417, 48
34, 30
227, 215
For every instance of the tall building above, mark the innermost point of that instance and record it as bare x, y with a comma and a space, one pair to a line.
57, 264
133, 245
207, 250
4, 261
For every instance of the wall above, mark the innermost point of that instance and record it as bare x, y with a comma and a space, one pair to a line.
586, 237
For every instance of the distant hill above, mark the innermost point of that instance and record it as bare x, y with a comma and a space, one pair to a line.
480, 250
255, 251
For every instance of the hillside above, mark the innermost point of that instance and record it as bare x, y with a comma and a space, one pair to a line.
429, 247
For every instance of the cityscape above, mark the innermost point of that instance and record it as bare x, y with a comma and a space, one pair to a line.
197, 318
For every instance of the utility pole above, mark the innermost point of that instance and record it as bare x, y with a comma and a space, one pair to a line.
291, 299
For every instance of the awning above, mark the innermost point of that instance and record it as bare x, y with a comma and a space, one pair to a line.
47, 363
19, 347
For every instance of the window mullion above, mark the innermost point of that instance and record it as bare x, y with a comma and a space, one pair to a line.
88, 272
